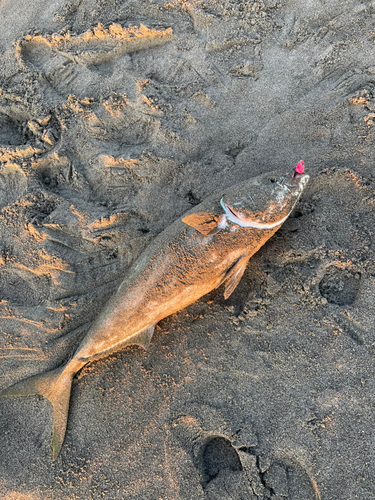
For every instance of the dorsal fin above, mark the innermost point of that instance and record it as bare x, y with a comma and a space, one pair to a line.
204, 222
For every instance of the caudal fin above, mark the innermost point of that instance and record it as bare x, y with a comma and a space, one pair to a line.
55, 386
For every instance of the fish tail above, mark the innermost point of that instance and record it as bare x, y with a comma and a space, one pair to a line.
55, 386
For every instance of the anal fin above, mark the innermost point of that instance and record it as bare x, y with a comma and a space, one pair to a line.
143, 338
234, 274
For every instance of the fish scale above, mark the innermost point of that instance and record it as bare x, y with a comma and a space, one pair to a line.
209, 246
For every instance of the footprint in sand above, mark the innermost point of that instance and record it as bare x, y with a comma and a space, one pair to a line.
10, 132
221, 470
76, 64
288, 479
23, 287
232, 474
23, 135
229, 468
340, 286
13, 184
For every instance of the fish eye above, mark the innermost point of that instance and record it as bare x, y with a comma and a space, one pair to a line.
272, 179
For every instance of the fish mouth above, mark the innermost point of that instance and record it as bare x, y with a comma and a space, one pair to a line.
303, 179
294, 174
300, 179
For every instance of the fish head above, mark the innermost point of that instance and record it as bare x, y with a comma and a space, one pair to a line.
264, 201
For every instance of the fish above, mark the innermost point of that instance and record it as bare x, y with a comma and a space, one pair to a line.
207, 247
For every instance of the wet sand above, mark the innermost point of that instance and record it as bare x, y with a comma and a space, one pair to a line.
115, 119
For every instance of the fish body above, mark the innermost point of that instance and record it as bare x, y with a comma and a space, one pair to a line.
210, 245
178, 268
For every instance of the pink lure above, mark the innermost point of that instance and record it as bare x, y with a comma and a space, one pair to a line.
300, 168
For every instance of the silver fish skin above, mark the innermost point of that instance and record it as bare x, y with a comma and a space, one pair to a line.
210, 245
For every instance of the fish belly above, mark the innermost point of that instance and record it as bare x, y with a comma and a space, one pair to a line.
117, 325
161, 282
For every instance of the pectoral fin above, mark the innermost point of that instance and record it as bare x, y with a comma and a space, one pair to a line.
204, 222
143, 338
234, 275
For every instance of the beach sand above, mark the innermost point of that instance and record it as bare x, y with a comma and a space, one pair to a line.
116, 118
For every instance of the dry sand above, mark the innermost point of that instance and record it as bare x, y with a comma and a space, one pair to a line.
115, 118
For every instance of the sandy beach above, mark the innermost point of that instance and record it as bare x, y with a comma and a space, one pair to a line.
117, 117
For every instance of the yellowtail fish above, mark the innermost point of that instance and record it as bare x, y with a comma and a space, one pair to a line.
210, 245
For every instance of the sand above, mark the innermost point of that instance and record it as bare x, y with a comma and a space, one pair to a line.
116, 118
